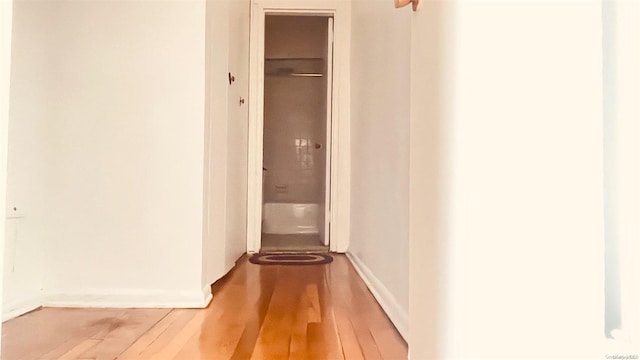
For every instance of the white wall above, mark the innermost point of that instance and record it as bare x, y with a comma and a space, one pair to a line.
216, 142
622, 173
6, 19
23, 266
27, 166
380, 81
432, 44
515, 181
225, 163
118, 105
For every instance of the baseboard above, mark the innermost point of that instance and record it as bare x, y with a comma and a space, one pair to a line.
130, 298
399, 317
14, 309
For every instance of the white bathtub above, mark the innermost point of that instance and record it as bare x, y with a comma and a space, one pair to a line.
287, 218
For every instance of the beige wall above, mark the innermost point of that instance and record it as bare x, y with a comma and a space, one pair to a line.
432, 44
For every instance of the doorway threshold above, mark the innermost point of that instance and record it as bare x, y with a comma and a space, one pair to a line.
292, 243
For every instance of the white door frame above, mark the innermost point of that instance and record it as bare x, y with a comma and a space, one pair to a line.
340, 131
328, 119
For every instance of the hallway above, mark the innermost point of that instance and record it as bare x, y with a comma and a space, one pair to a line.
484, 180
257, 312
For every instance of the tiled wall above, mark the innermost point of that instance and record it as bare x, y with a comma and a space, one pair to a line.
294, 110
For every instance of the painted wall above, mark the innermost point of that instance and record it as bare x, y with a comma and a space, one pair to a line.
380, 78
514, 180
119, 105
621, 40
432, 44
215, 156
27, 166
6, 19
225, 161
23, 266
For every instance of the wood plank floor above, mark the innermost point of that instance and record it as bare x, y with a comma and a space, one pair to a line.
257, 312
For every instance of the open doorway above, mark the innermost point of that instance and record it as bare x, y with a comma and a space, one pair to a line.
296, 157
333, 214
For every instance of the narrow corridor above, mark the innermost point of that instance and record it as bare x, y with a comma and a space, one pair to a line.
257, 312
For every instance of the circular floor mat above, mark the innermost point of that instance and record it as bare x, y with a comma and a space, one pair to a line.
290, 259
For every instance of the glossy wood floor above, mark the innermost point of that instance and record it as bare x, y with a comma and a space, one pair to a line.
257, 312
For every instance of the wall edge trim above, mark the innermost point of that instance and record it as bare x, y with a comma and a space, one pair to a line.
130, 298
398, 316
17, 308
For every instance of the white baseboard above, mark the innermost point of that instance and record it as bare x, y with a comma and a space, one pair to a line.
112, 299
14, 309
100, 298
399, 317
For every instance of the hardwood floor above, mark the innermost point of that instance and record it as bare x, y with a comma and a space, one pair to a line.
257, 312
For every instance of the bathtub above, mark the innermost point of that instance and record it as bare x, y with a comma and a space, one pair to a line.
288, 218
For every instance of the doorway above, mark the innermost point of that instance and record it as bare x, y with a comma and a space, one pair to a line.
333, 214
298, 62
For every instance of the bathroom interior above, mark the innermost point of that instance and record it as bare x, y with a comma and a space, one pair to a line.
296, 133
